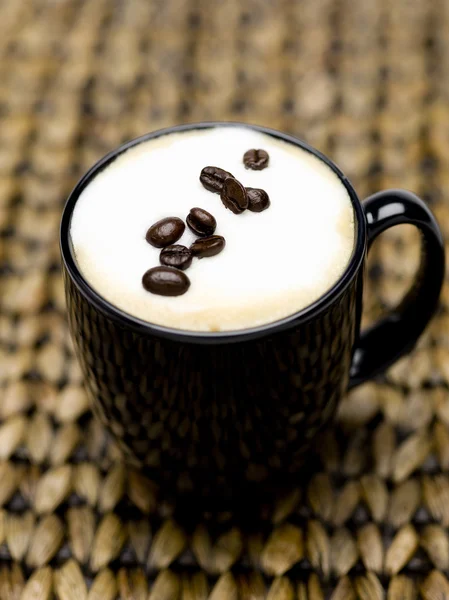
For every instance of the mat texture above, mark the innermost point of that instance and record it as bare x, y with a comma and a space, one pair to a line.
366, 82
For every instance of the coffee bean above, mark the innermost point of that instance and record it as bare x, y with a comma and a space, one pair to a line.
256, 159
258, 199
234, 196
213, 178
165, 232
201, 222
165, 281
176, 256
208, 246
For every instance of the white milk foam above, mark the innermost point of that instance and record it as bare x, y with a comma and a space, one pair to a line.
274, 264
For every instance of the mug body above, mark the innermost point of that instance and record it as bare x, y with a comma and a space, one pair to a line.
214, 413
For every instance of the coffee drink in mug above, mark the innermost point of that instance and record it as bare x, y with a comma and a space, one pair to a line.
275, 262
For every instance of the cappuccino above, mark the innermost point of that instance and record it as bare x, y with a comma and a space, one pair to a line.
273, 260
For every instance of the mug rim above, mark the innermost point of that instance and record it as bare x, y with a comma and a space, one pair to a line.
206, 337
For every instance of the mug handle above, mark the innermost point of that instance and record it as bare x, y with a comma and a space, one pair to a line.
395, 334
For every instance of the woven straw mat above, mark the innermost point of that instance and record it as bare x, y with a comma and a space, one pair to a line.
366, 82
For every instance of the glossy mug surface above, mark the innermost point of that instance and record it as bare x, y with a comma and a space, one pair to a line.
217, 413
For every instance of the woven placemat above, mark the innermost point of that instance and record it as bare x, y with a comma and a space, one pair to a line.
366, 82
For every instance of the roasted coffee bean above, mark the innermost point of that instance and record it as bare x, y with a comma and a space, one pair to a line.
166, 281
201, 222
165, 232
256, 159
258, 200
208, 246
176, 256
213, 178
234, 196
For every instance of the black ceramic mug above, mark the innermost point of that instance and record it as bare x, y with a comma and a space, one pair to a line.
214, 413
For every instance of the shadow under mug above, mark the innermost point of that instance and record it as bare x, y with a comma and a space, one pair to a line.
217, 413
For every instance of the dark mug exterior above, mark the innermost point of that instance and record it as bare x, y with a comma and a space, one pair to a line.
217, 413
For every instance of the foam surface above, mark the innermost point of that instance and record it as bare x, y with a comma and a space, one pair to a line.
275, 262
